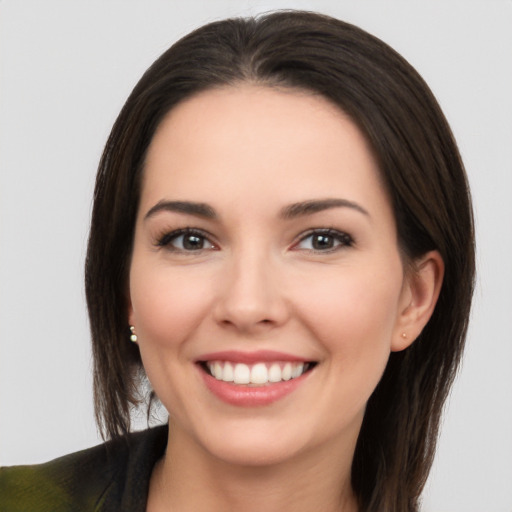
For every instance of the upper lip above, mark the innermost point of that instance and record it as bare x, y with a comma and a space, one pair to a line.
259, 356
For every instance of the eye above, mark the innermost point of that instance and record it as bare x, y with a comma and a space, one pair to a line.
324, 240
185, 240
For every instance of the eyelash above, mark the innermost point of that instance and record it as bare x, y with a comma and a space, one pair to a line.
167, 238
342, 239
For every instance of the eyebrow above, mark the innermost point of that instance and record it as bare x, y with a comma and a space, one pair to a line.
288, 212
317, 205
188, 207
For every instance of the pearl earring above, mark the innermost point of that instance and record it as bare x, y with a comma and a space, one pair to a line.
133, 336
404, 335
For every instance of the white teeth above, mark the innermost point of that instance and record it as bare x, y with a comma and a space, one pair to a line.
297, 370
242, 374
217, 370
274, 374
228, 373
287, 372
257, 374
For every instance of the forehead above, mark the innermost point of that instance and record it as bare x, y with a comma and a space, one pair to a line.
252, 141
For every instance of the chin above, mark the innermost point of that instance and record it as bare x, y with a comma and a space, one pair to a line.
257, 452
241, 441
260, 442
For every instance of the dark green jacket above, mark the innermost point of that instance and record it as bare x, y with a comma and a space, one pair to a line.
112, 477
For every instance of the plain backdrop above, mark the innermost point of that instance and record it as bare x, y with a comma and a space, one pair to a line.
66, 68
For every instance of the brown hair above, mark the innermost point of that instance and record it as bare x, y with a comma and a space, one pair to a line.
419, 162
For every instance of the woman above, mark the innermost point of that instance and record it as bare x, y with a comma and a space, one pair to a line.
272, 245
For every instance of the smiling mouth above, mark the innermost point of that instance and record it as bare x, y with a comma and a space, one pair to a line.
258, 374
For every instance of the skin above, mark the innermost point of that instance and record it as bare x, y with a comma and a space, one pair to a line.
258, 283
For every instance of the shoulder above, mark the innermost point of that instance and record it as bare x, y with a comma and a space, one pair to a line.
98, 479
59, 484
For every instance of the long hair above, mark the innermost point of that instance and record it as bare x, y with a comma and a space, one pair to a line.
424, 175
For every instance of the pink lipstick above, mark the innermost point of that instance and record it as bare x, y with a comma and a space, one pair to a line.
253, 378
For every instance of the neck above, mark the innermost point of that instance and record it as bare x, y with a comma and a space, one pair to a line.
188, 478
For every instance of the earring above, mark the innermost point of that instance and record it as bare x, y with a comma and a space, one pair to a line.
133, 336
404, 335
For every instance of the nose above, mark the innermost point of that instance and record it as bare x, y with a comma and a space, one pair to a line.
251, 296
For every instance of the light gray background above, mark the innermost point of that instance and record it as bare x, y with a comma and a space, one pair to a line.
66, 69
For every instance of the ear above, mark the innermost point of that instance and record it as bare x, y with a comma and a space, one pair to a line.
131, 322
131, 315
419, 295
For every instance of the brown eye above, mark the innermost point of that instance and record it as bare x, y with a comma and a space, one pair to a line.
191, 242
185, 241
324, 241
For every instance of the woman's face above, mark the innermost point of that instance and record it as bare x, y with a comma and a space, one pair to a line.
265, 253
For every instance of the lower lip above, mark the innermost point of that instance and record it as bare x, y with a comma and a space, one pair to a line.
249, 396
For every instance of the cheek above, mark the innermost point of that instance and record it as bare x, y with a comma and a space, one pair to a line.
166, 304
167, 307
352, 317
353, 313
